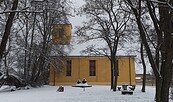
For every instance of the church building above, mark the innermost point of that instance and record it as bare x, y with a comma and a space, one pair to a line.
95, 69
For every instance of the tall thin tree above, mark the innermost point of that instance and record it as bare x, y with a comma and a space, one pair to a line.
8, 29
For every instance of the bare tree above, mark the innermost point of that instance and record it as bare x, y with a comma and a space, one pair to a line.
32, 45
53, 11
164, 46
107, 22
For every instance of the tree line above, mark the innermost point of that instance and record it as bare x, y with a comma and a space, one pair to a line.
26, 42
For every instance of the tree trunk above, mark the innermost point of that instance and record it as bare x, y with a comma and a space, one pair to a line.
26, 72
144, 69
7, 29
112, 76
167, 51
166, 71
166, 78
115, 71
158, 89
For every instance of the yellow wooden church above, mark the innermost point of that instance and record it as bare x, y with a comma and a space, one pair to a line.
95, 69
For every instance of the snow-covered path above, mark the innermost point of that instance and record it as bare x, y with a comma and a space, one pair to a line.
73, 94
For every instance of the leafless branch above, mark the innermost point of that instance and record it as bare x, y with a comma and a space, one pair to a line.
164, 3
20, 11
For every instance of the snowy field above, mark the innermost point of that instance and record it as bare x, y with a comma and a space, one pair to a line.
73, 94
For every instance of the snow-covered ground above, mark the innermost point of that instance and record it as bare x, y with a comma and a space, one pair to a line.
74, 94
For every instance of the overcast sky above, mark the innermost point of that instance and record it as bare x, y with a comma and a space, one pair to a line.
76, 20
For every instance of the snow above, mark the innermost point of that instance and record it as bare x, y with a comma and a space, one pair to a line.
75, 94
8, 88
